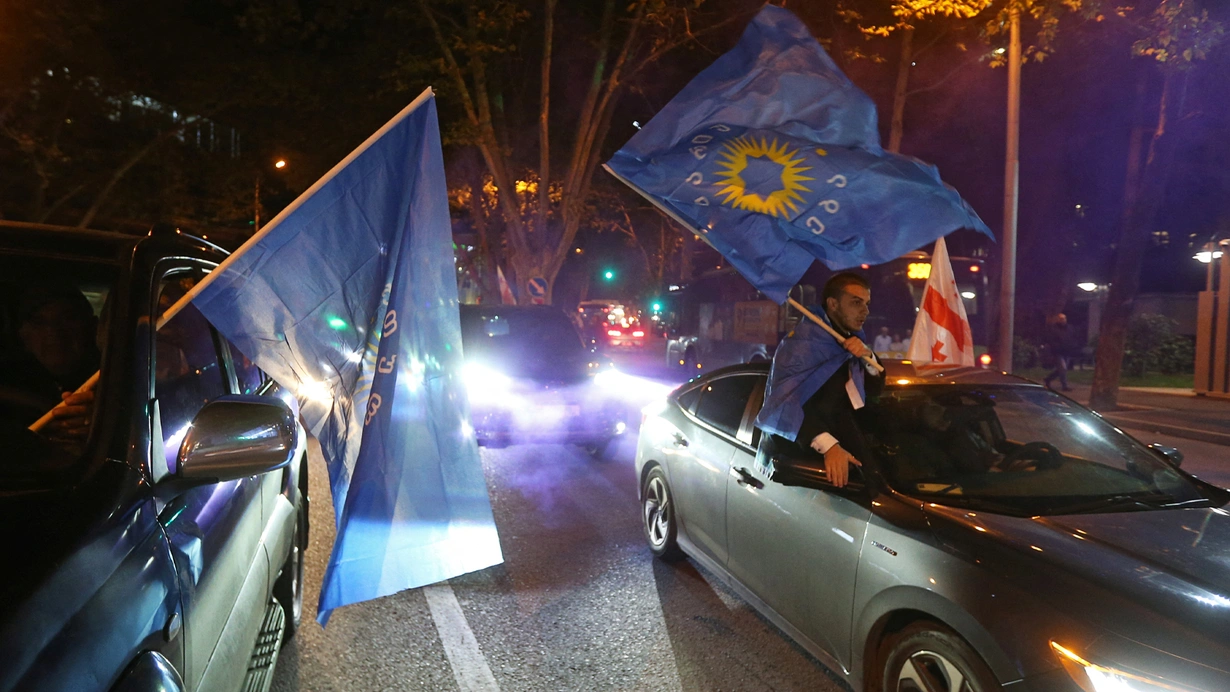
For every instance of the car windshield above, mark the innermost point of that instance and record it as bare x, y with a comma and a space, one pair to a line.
1016, 450
52, 334
521, 335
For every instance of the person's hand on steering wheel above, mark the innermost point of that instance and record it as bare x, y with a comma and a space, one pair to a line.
1039, 455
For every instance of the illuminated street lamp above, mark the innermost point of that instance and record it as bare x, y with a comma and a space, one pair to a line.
256, 197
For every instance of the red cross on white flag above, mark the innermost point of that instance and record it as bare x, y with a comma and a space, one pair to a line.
941, 331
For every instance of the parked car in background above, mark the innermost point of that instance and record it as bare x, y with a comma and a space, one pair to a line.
531, 378
161, 544
997, 534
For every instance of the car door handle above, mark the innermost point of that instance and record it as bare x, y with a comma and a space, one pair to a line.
744, 477
680, 440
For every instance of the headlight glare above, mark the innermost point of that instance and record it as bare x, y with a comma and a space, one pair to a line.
1093, 677
483, 381
608, 378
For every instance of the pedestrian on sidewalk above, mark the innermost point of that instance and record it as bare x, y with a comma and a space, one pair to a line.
1058, 345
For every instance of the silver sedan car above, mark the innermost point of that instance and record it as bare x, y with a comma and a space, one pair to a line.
998, 535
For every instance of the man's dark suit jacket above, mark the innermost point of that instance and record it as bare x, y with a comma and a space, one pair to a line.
830, 411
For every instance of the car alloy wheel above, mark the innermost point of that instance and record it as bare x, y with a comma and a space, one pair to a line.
658, 515
927, 657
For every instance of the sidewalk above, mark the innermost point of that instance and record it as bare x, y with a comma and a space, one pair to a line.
1176, 412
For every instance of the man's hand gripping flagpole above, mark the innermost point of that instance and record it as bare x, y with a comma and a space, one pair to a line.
871, 363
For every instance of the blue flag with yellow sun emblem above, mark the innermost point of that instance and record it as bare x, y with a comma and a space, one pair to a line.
773, 157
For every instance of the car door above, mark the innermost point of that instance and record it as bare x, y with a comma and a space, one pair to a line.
214, 529
797, 548
705, 443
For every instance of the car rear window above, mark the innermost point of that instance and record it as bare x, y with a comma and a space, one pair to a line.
547, 333
723, 401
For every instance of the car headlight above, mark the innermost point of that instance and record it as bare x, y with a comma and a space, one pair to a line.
1093, 677
608, 378
483, 382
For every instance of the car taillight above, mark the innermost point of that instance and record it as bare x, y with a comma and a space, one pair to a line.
614, 332
638, 333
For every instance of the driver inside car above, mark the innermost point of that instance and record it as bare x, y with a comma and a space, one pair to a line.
57, 332
955, 428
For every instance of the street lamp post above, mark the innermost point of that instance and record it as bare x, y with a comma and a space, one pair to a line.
1012, 166
256, 201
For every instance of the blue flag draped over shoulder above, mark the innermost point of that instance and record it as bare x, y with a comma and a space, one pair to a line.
803, 362
773, 157
348, 298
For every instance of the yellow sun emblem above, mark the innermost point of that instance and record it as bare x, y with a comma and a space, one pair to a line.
734, 159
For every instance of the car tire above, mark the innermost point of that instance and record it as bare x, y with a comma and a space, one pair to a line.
658, 516
929, 656
288, 589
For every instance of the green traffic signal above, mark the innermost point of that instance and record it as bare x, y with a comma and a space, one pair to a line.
608, 275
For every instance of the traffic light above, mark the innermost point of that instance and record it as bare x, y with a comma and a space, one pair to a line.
656, 306
609, 274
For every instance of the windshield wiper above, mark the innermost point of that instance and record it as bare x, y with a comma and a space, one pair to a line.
1143, 500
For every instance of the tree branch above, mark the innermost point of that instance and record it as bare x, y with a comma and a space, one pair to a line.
453, 69
591, 96
940, 82
544, 112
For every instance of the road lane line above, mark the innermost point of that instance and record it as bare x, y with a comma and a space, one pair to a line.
470, 669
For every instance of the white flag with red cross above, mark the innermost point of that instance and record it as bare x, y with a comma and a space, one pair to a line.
941, 331
506, 294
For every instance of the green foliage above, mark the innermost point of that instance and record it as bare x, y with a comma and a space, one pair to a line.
1025, 353
1152, 346
1176, 33
1046, 15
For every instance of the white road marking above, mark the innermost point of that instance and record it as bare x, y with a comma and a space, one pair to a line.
470, 669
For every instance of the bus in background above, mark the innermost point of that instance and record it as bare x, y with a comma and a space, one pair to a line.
719, 319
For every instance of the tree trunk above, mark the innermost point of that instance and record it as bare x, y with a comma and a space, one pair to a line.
899, 94
544, 130
1142, 202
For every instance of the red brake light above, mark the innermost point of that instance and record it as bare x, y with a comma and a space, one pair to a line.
614, 332
638, 333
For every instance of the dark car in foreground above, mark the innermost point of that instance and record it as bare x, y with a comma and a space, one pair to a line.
162, 546
999, 534
531, 378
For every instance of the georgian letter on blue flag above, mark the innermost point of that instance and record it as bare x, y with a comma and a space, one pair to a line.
349, 299
773, 157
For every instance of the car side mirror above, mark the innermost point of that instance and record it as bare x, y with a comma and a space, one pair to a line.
236, 436
1170, 453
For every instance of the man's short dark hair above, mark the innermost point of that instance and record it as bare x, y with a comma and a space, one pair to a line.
836, 285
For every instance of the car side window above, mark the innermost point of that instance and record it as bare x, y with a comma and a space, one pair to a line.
249, 377
187, 371
687, 400
723, 401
